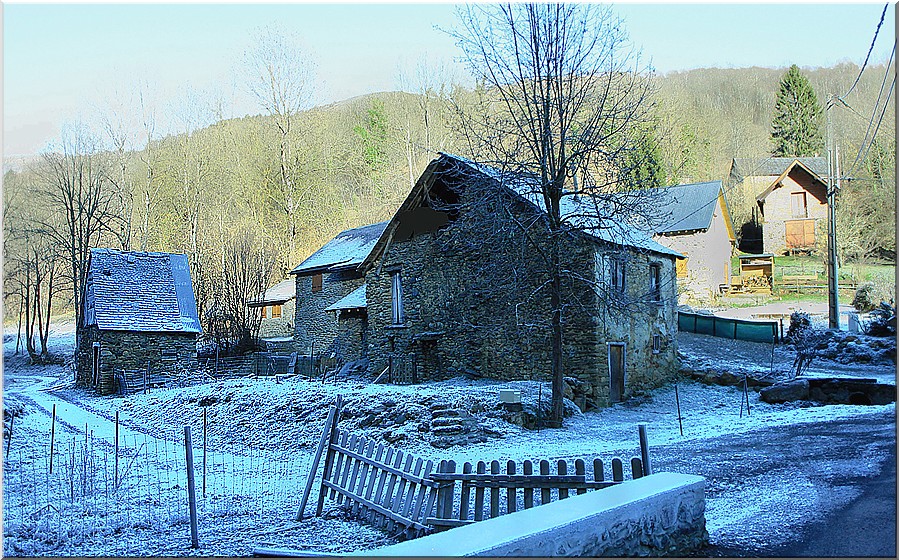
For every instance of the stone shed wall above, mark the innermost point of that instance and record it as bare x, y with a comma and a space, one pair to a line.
313, 323
279, 326
127, 350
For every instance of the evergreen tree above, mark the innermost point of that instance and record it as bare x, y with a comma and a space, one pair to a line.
796, 128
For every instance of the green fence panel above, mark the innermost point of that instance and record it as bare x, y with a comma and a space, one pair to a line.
757, 332
705, 325
752, 331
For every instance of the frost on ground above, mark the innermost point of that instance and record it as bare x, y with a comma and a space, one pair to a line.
262, 435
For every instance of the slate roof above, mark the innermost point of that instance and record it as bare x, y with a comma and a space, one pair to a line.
774, 166
686, 207
353, 300
347, 250
281, 292
136, 291
609, 230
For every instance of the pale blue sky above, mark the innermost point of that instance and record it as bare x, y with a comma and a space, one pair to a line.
68, 61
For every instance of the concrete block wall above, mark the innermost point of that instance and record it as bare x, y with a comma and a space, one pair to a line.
658, 515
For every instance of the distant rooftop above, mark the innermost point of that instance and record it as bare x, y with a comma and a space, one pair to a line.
137, 291
347, 250
774, 166
687, 207
279, 293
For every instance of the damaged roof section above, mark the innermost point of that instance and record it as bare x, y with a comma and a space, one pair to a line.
346, 251
137, 291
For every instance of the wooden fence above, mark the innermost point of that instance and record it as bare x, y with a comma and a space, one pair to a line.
404, 494
521, 487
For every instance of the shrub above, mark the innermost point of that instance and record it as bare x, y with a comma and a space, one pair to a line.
882, 321
866, 297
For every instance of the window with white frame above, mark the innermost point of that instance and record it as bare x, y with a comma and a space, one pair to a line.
656, 343
396, 296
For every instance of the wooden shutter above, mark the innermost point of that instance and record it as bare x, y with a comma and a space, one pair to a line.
800, 233
681, 268
316, 282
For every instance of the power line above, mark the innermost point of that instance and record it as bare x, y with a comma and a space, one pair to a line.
861, 148
880, 120
870, 49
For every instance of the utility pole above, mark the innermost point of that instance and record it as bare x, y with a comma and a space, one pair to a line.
833, 187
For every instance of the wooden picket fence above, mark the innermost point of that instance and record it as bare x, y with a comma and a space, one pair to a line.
405, 495
521, 487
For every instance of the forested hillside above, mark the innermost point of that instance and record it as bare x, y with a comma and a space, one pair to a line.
351, 163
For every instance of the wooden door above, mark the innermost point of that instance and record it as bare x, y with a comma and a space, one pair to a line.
616, 372
800, 233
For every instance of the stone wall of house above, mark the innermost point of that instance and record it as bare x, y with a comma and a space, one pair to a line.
272, 327
352, 342
778, 210
633, 319
127, 350
462, 319
315, 326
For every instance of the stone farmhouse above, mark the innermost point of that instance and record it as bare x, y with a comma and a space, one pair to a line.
793, 211
138, 309
696, 223
430, 296
277, 308
325, 279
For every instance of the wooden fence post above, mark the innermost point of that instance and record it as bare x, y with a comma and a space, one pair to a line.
329, 437
9, 441
116, 479
644, 449
204, 451
52, 436
191, 490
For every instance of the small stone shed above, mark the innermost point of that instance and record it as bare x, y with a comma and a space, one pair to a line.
138, 309
277, 307
328, 276
432, 303
695, 221
793, 210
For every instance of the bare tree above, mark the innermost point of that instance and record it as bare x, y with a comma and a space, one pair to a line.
81, 190
562, 97
246, 273
281, 77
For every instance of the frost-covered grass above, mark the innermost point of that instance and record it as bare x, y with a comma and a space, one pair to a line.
261, 436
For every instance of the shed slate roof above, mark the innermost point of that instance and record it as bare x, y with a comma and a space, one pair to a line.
686, 207
353, 300
774, 166
281, 292
137, 291
347, 250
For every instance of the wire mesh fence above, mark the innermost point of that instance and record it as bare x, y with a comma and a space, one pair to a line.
95, 496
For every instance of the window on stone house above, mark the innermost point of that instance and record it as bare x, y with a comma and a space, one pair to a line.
276, 311
656, 343
681, 268
655, 290
317, 282
616, 273
396, 296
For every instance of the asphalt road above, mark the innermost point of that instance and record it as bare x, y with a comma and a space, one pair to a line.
816, 490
